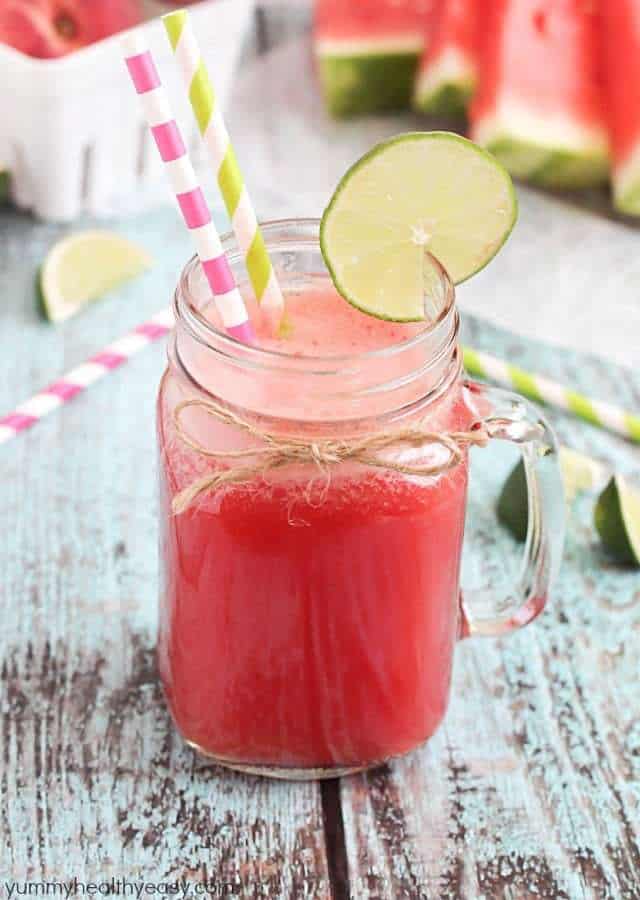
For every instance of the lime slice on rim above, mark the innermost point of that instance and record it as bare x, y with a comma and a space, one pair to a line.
85, 266
432, 191
617, 519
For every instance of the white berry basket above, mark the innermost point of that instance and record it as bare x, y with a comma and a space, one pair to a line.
71, 134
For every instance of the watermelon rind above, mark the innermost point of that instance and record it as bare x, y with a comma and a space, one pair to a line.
4, 185
626, 185
365, 77
548, 151
445, 86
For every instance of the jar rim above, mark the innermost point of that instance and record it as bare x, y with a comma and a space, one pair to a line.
205, 332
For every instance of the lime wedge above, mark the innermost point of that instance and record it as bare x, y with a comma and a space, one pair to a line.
580, 473
85, 266
617, 519
432, 191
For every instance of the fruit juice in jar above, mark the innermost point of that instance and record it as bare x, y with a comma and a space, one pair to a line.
313, 483
308, 621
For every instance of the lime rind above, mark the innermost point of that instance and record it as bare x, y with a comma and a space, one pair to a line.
630, 504
617, 520
462, 251
580, 473
513, 505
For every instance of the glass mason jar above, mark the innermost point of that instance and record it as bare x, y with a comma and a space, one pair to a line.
308, 615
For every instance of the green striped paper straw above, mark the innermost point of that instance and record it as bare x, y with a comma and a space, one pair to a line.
216, 137
542, 390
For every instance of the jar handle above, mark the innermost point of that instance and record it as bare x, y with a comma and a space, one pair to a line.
511, 418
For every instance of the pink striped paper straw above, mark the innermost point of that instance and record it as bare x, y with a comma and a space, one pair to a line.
196, 214
80, 378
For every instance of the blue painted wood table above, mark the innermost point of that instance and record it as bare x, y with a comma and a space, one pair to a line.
530, 789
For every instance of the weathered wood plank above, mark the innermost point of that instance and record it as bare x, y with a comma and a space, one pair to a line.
97, 783
94, 781
532, 786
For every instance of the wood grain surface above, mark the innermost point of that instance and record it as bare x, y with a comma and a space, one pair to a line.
531, 789
95, 782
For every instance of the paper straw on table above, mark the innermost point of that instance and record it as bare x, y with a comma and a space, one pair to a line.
542, 390
79, 379
196, 214
216, 137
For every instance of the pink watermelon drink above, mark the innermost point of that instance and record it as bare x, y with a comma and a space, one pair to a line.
368, 52
447, 75
621, 62
301, 600
539, 106
313, 483
311, 629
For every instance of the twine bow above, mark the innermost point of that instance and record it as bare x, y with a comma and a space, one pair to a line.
276, 452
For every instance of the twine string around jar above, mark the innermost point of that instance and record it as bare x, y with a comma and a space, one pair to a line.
275, 451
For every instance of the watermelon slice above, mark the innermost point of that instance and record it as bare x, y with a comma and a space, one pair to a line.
539, 106
368, 53
447, 76
621, 52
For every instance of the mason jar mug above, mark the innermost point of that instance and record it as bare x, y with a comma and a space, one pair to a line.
312, 517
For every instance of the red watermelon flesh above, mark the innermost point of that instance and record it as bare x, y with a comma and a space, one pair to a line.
621, 64
369, 19
447, 75
368, 52
540, 105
